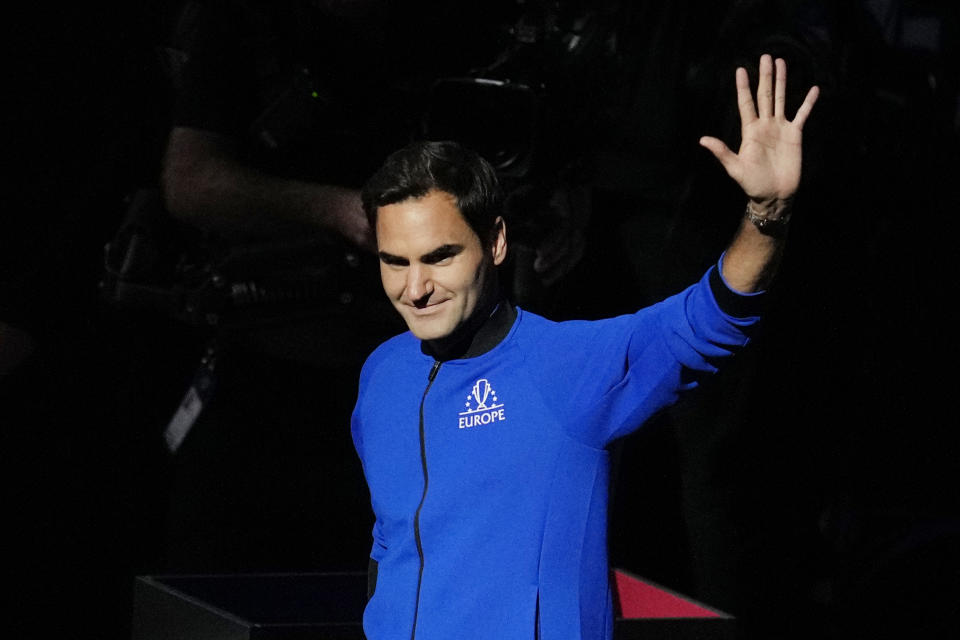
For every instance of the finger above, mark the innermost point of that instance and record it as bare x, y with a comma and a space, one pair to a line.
780, 92
804, 111
722, 153
748, 112
765, 87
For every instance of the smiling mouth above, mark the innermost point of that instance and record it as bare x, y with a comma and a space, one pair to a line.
426, 310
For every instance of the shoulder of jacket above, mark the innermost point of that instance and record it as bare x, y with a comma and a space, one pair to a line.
400, 348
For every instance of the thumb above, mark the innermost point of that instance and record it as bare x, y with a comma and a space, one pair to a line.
721, 152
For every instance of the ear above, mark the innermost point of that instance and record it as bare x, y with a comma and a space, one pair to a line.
498, 247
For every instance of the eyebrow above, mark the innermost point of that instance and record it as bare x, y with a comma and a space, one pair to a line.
440, 253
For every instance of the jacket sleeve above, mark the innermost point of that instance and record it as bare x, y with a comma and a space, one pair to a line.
702, 326
621, 371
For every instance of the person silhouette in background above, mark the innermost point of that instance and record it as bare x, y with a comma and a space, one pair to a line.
281, 112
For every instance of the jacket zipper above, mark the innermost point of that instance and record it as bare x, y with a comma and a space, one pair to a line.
416, 517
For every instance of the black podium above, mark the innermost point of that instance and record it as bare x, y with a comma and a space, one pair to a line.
282, 606
329, 606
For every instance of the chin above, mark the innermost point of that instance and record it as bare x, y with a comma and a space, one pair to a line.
428, 336
428, 330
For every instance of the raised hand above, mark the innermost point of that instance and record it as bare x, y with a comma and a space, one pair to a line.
767, 165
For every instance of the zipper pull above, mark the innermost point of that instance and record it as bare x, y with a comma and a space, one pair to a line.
434, 369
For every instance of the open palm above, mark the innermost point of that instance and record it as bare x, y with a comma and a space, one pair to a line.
767, 165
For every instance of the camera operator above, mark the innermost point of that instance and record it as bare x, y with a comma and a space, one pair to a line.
281, 113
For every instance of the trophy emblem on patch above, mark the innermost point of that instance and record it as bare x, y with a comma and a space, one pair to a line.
481, 391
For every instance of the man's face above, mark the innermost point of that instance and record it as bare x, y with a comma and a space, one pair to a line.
433, 266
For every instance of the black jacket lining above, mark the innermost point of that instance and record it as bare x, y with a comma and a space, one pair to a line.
733, 303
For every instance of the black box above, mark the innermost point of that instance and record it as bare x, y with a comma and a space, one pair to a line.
329, 606
282, 606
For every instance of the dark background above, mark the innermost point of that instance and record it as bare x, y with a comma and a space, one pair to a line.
810, 489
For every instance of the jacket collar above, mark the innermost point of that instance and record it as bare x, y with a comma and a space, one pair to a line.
491, 330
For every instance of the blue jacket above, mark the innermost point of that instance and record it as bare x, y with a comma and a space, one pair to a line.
489, 475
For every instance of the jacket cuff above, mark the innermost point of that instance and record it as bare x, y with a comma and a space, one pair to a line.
732, 302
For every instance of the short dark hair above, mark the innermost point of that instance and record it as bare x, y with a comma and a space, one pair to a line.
447, 166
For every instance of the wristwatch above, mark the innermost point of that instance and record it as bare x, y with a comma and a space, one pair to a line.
766, 222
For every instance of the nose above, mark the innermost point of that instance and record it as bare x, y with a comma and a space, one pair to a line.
419, 284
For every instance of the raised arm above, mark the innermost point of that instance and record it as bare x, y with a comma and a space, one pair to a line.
767, 168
